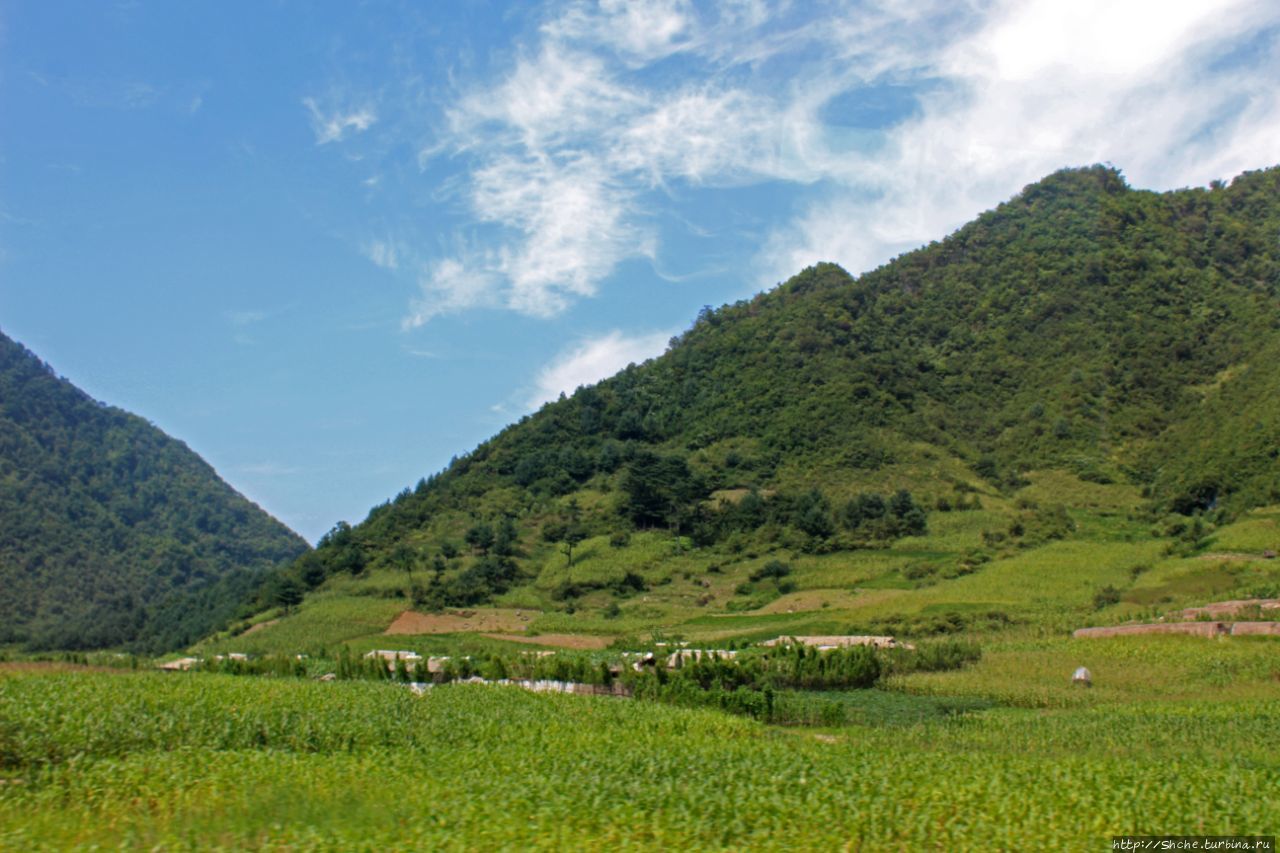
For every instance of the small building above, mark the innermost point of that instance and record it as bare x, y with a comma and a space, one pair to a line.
646, 661
180, 665
1082, 677
391, 656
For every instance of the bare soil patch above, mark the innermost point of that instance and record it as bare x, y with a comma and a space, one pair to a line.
461, 621
1231, 557
1231, 608
562, 641
253, 628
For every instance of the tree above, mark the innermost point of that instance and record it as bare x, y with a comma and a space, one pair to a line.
506, 539
480, 537
813, 515
287, 593
911, 517
863, 508
658, 489
403, 557
573, 532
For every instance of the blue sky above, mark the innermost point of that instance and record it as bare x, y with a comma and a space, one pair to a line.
331, 245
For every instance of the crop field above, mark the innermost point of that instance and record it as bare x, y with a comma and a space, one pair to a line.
1176, 735
146, 760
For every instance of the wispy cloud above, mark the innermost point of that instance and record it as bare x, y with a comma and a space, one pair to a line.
333, 124
639, 30
563, 163
245, 318
383, 253
242, 323
568, 152
592, 360
1041, 85
448, 286
105, 92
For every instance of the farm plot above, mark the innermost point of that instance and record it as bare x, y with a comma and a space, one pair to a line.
206, 761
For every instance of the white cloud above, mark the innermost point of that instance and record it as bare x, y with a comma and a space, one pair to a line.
449, 286
592, 360
642, 30
333, 125
1039, 86
564, 145
382, 253
569, 157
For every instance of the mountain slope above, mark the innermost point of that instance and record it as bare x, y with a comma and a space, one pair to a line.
1082, 327
108, 527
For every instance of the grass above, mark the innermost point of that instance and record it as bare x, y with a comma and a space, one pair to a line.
1035, 672
202, 761
1256, 531
325, 619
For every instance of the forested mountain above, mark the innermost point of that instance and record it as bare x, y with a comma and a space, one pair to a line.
1122, 336
111, 532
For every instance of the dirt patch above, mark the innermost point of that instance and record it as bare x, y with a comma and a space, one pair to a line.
1232, 557
560, 641
461, 621
1199, 629
1265, 629
1230, 608
255, 628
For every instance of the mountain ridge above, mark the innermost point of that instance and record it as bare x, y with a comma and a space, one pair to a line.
1071, 328
114, 532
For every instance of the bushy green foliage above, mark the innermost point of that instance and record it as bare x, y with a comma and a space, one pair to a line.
1081, 327
113, 533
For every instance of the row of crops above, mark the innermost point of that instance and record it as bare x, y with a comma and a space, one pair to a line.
744, 681
141, 760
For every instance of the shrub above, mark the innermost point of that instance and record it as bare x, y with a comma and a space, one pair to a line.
773, 569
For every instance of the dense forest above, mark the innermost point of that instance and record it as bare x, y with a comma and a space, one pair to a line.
111, 532
1119, 335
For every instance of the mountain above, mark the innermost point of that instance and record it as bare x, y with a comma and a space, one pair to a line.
111, 532
1123, 339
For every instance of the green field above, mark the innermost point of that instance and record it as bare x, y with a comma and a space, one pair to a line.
1176, 737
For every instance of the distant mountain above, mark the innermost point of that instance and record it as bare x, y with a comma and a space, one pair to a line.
1120, 336
111, 532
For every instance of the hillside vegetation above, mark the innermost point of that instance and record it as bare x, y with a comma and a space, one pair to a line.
1068, 391
111, 532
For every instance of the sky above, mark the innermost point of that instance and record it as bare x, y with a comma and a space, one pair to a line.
330, 245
